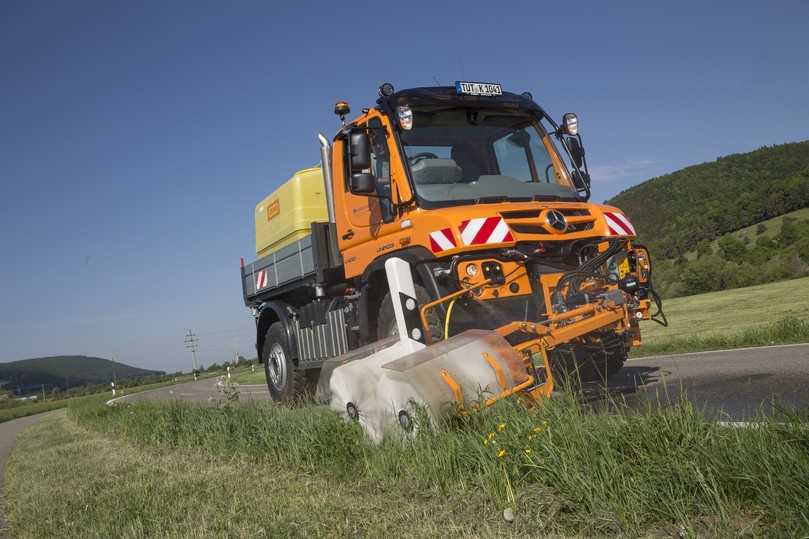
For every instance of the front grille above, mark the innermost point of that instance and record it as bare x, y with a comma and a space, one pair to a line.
579, 227
527, 221
570, 212
520, 214
525, 228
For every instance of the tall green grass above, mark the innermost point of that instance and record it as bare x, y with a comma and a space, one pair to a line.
573, 469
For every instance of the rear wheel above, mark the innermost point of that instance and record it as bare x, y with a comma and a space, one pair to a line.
284, 380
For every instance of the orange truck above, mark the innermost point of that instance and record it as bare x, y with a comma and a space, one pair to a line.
486, 198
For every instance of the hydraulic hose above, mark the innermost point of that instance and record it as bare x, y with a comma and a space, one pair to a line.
446, 318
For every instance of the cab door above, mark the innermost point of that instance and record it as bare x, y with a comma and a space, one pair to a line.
371, 217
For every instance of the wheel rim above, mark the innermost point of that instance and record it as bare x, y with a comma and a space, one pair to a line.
277, 366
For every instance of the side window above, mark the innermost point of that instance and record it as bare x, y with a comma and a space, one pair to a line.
380, 167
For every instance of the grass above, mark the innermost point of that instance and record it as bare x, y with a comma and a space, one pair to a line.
24, 410
247, 377
64, 480
261, 469
774, 313
789, 330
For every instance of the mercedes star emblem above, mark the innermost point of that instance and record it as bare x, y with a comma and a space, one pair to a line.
556, 220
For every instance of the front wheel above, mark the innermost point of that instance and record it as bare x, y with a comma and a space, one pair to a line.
386, 317
284, 380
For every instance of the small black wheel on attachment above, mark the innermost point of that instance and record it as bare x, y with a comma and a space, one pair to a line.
352, 411
405, 421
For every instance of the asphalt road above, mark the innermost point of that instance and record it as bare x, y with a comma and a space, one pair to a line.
205, 390
730, 385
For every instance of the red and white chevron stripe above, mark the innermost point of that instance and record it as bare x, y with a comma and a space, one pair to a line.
442, 240
618, 224
261, 279
484, 230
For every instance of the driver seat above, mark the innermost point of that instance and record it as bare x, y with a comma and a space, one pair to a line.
470, 159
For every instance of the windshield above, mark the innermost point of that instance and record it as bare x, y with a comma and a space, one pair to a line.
461, 154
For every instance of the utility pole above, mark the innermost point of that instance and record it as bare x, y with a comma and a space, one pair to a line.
191, 341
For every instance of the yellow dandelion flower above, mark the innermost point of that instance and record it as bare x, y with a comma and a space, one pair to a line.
501, 427
528, 450
490, 436
537, 429
501, 453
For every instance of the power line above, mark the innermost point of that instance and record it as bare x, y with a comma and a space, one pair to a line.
191, 341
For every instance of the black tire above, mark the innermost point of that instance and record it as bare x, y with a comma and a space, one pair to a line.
576, 365
386, 318
606, 365
285, 381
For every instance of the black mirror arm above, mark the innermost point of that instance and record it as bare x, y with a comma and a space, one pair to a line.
585, 173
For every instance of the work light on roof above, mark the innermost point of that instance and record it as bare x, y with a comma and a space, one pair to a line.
405, 114
386, 89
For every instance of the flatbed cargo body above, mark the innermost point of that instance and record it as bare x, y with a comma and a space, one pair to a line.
290, 266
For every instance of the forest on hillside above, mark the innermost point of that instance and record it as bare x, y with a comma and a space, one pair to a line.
65, 372
733, 262
686, 210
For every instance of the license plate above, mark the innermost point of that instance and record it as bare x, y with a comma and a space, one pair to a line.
478, 88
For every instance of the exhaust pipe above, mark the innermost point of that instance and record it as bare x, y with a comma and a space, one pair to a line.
325, 166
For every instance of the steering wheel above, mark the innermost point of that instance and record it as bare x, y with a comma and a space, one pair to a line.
421, 156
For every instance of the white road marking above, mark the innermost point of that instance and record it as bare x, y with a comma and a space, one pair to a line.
747, 348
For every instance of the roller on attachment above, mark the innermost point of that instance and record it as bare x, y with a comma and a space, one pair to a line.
383, 384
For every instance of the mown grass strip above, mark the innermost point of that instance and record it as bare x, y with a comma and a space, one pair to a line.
571, 469
67, 481
789, 330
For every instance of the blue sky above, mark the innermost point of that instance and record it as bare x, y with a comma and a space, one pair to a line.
135, 137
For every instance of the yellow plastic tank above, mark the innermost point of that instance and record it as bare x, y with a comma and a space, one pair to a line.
285, 216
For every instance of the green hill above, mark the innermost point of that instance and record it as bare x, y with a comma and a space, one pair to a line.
65, 372
674, 212
738, 221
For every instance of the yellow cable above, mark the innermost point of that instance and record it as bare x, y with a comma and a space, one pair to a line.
446, 319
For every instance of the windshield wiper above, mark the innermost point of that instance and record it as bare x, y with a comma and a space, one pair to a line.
505, 198
491, 199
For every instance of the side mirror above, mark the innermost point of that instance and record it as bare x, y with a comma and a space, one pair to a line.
363, 183
570, 124
360, 146
576, 151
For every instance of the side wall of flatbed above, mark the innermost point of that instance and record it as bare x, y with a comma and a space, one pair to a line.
269, 276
